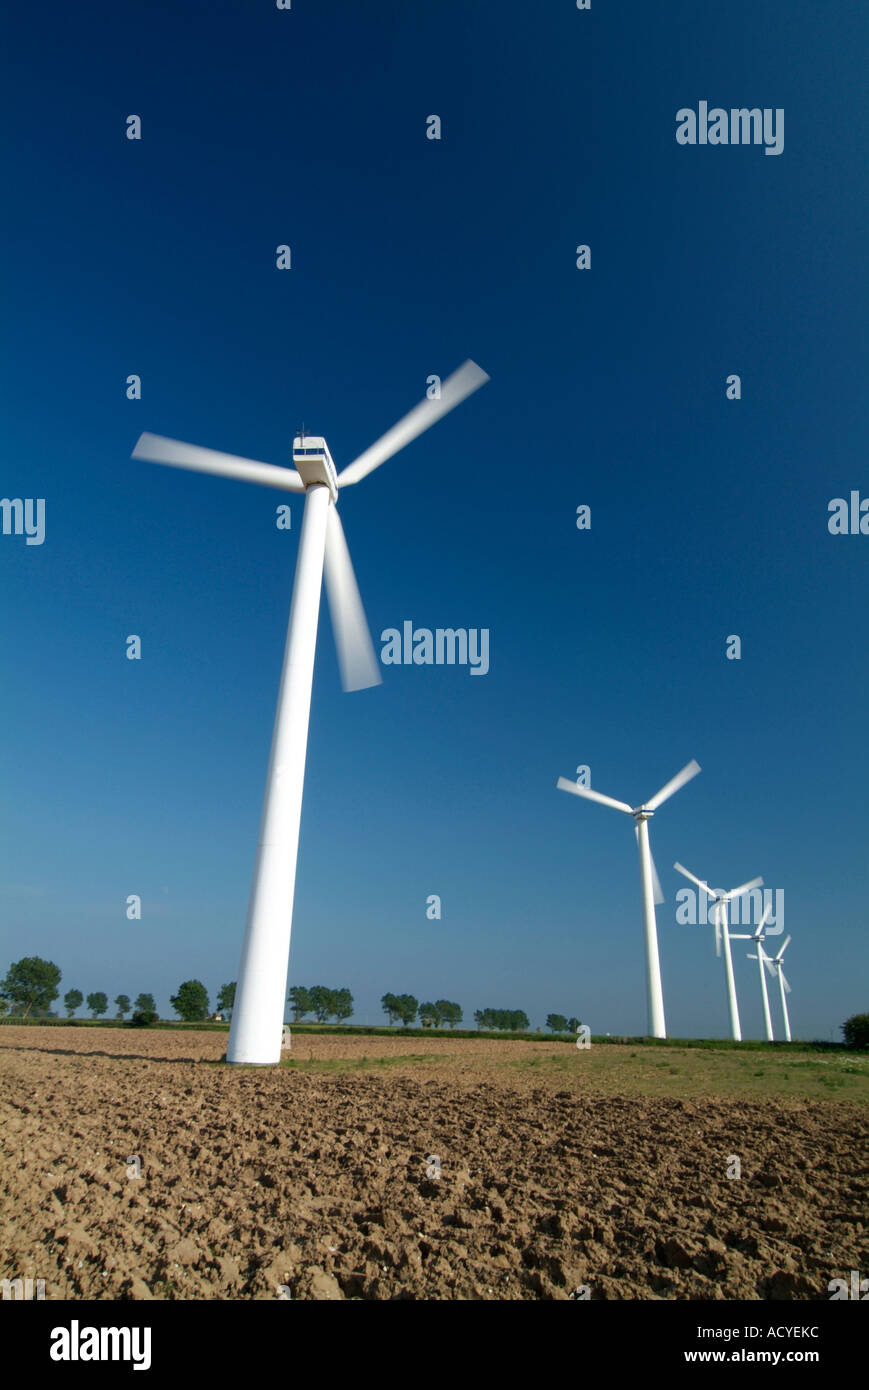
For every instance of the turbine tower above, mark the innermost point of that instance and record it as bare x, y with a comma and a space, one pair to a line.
651, 883
257, 1018
719, 917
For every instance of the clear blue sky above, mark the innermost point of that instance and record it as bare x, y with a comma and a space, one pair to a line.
709, 517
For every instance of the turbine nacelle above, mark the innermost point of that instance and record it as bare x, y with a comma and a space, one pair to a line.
314, 463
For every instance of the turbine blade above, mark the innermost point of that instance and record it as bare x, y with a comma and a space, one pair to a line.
463, 382
565, 785
758, 935
157, 449
783, 948
770, 965
745, 888
688, 771
704, 886
356, 657
784, 982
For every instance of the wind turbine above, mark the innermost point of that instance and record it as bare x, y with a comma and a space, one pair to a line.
775, 968
257, 1019
758, 937
651, 883
719, 917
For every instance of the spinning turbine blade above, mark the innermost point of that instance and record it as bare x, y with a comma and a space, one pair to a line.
783, 978
688, 771
463, 382
770, 965
157, 449
356, 657
762, 923
745, 888
704, 886
657, 890
783, 948
565, 785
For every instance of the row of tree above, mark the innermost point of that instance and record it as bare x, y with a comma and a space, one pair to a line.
403, 1008
322, 1002
31, 986
98, 1003
510, 1020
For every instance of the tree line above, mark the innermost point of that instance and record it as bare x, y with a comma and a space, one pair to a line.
31, 987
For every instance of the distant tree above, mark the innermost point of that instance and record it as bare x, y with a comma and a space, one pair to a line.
856, 1031
449, 1012
556, 1023
342, 1004
143, 1017
145, 1004
322, 1002
519, 1021
226, 998
191, 1001
391, 1005
408, 1007
122, 1004
429, 1014
97, 1002
300, 999
72, 1000
479, 1017
31, 983
573, 1025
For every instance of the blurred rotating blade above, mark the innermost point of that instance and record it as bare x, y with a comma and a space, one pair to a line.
784, 981
657, 890
784, 946
356, 657
770, 965
564, 784
463, 382
745, 888
758, 935
688, 771
156, 448
705, 886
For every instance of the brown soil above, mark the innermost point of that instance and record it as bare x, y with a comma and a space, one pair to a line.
324, 1183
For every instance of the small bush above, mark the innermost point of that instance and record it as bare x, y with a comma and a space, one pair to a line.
142, 1018
856, 1031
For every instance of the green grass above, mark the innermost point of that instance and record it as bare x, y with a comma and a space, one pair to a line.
706, 1071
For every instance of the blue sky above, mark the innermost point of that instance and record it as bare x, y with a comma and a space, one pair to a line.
607, 646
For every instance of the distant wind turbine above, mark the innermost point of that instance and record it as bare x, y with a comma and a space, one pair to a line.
719, 918
758, 936
257, 1019
651, 883
775, 968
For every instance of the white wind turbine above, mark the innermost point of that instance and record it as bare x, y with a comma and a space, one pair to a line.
775, 968
758, 936
651, 883
719, 917
257, 1018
